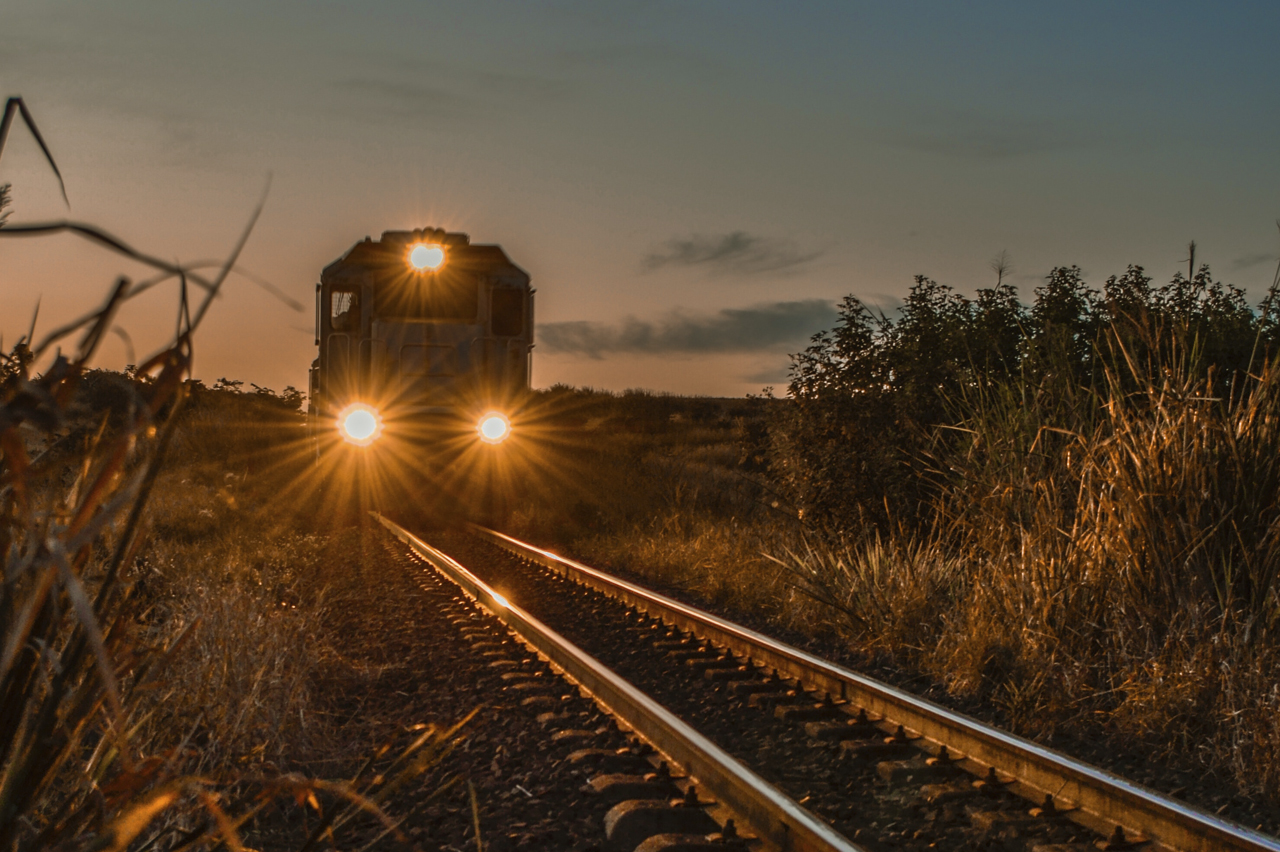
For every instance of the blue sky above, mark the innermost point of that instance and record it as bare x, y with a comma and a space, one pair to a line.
691, 185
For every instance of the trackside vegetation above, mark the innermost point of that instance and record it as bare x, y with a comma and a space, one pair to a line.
1076, 504
173, 645
175, 640
1064, 515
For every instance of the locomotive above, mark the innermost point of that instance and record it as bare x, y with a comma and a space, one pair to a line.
425, 345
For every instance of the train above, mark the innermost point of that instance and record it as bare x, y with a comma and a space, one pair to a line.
425, 345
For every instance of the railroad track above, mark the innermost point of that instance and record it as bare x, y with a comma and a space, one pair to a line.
955, 761
760, 810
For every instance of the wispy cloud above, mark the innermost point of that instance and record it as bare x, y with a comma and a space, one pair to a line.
982, 136
755, 328
733, 253
1251, 260
400, 95
636, 58
774, 376
447, 91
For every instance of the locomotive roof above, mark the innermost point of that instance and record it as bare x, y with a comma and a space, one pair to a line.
391, 248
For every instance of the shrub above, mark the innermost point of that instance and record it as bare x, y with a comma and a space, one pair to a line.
1076, 522
877, 400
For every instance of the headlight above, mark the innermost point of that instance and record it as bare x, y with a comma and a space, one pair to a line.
359, 424
493, 428
426, 257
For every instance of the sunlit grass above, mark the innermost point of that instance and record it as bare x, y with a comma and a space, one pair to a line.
1111, 575
155, 690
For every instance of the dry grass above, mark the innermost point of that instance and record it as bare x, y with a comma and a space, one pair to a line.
258, 641
224, 647
155, 692
1136, 581
720, 563
1102, 564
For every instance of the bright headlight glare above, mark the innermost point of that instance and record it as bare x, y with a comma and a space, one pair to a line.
426, 257
494, 428
359, 424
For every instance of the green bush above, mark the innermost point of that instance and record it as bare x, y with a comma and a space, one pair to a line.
878, 400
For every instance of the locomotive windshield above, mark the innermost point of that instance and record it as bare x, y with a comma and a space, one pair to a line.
448, 296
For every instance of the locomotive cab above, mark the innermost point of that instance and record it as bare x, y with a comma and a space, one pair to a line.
421, 336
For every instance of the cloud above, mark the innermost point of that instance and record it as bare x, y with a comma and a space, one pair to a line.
636, 58
428, 84
404, 95
737, 252
1251, 260
440, 92
982, 136
780, 375
731, 330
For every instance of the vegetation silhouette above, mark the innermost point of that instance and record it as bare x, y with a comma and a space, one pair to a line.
880, 401
137, 673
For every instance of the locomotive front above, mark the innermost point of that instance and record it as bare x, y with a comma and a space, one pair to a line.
424, 343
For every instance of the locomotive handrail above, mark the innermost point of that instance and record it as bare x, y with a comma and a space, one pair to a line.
777, 820
1096, 798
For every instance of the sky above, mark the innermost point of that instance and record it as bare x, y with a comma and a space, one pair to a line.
692, 186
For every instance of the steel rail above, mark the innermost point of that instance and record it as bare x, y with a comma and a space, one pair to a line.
774, 818
1095, 798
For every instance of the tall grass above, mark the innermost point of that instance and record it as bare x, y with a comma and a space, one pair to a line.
1089, 548
166, 627
154, 691
1100, 555
72, 664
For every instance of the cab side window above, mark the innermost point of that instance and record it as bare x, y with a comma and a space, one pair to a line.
507, 313
344, 310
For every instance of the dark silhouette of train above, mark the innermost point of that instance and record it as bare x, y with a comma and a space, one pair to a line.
424, 343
